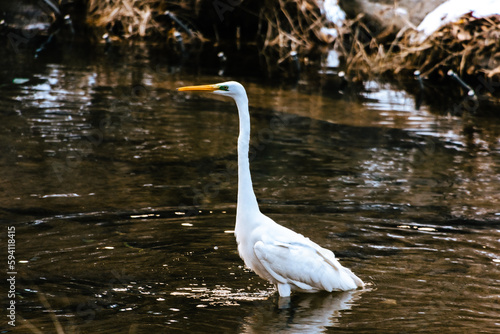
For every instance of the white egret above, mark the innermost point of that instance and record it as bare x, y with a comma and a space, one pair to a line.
285, 258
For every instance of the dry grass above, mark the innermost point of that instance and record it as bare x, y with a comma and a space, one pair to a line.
135, 16
292, 25
286, 25
135, 19
469, 47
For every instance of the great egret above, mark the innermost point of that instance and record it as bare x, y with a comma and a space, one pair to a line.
287, 259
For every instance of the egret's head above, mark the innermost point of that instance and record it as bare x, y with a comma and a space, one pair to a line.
229, 88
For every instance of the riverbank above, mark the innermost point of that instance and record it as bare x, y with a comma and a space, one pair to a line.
459, 62
291, 37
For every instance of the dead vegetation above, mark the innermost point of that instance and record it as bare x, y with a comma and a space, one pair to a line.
296, 27
282, 27
293, 27
130, 18
142, 19
470, 47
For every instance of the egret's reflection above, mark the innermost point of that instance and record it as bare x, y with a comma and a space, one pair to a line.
302, 313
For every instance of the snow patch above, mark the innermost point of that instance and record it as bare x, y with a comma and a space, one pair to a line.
452, 10
333, 12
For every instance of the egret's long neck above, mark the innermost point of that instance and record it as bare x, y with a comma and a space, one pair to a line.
247, 202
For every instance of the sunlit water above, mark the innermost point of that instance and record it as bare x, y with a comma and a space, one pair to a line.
122, 193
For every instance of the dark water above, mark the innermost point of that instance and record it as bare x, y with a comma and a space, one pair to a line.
122, 194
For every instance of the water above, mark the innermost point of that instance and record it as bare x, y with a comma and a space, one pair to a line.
122, 194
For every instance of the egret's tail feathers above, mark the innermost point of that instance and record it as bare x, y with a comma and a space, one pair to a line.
354, 281
340, 277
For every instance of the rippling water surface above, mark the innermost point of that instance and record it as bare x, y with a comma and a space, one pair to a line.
122, 194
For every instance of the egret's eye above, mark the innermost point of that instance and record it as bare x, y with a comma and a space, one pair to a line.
225, 88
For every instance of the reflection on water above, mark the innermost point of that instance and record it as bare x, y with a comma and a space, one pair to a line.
306, 313
123, 193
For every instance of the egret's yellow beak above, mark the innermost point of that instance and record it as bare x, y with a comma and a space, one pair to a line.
205, 88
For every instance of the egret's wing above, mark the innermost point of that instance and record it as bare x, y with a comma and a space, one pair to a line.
304, 264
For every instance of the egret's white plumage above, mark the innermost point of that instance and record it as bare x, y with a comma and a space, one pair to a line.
287, 259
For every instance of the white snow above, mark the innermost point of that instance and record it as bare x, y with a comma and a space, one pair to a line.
333, 12
332, 59
452, 10
335, 15
330, 32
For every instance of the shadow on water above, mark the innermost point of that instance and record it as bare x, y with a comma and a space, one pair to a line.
122, 194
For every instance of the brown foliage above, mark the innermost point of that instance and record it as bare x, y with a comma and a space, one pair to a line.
468, 46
